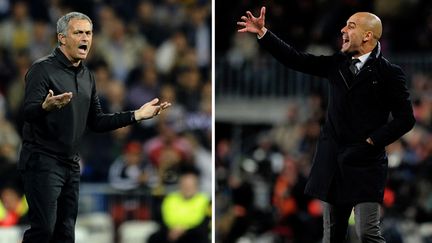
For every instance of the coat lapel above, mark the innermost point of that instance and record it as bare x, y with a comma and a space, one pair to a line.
366, 69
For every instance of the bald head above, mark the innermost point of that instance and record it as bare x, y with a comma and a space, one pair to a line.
369, 22
361, 33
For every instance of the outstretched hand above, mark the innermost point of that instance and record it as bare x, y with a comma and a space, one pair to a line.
150, 109
52, 101
252, 24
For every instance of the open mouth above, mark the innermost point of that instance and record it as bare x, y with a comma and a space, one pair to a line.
83, 47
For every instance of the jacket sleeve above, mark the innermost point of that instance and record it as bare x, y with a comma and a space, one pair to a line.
291, 58
98, 121
400, 107
36, 89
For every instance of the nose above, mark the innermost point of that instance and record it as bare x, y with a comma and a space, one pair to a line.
343, 30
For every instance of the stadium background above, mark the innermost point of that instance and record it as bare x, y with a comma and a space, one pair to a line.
267, 120
141, 49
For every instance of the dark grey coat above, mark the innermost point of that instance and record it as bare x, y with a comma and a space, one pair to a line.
345, 168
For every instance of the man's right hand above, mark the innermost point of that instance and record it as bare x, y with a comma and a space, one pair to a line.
252, 24
56, 101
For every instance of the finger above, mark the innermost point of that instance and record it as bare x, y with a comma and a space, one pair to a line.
165, 105
157, 111
68, 95
242, 30
244, 18
241, 23
65, 101
249, 14
262, 14
154, 101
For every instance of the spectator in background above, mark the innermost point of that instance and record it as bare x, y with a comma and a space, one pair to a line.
189, 89
203, 162
146, 60
16, 32
241, 214
168, 150
15, 90
198, 34
13, 207
43, 40
184, 213
103, 76
134, 177
148, 24
146, 86
119, 48
114, 99
9, 138
168, 53
131, 171
286, 135
295, 218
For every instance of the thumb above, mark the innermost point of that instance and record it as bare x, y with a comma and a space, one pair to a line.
50, 93
154, 101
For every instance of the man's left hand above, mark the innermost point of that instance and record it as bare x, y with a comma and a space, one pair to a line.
150, 109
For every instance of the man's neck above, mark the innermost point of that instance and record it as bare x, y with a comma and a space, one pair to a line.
73, 62
367, 48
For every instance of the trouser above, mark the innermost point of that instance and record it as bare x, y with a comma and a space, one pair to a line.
51, 190
367, 220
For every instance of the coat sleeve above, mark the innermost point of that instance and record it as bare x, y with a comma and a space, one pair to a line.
98, 121
400, 108
294, 59
36, 89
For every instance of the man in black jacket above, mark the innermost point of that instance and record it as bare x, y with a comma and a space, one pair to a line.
60, 103
350, 164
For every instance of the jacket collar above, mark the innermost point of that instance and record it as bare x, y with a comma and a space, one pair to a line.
376, 52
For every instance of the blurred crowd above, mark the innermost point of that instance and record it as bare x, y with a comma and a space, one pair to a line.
261, 174
141, 49
261, 169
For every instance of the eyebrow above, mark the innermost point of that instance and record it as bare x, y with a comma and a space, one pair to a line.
352, 23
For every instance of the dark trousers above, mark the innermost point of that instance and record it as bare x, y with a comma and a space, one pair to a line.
367, 220
51, 189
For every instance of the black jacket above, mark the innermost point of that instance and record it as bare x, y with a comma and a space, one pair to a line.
346, 169
58, 133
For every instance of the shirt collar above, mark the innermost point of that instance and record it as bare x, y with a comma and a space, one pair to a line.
63, 59
363, 57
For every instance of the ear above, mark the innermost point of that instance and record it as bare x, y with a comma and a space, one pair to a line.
368, 35
61, 38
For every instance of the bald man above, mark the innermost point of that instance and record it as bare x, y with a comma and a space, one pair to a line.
368, 108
